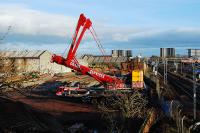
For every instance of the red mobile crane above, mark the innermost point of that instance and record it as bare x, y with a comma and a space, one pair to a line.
110, 82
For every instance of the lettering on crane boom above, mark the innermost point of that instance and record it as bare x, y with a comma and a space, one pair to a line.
96, 73
74, 64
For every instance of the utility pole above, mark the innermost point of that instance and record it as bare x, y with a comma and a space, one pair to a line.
181, 67
176, 66
165, 71
157, 80
194, 88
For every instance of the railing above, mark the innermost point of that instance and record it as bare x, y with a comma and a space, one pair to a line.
183, 123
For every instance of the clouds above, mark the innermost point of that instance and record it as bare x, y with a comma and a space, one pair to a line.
34, 29
33, 22
29, 22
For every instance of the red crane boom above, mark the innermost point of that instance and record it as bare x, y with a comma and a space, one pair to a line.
71, 62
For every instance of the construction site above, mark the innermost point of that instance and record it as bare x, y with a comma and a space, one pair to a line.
44, 92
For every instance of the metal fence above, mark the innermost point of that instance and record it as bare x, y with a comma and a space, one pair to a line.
183, 123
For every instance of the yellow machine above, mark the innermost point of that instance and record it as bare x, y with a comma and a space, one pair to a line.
137, 79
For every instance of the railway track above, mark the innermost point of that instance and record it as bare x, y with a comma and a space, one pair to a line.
183, 86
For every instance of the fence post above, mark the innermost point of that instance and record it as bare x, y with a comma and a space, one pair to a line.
190, 128
179, 119
171, 110
182, 123
176, 117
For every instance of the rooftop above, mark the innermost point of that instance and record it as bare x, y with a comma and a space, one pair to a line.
22, 54
101, 59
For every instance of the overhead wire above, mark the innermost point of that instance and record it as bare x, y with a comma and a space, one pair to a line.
96, 38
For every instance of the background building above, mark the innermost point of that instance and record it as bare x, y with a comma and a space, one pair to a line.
193, 52
127, 53
29, 61
167, 52
121, 53
114, 53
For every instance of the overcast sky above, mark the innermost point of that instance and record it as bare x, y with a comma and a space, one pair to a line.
141, 25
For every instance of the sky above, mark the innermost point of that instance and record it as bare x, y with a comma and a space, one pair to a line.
140, 25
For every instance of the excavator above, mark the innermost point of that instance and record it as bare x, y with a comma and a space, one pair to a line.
109, 82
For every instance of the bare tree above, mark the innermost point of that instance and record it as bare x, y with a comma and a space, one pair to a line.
8, 78
120, 110
129, 105
5, 71
3, 37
